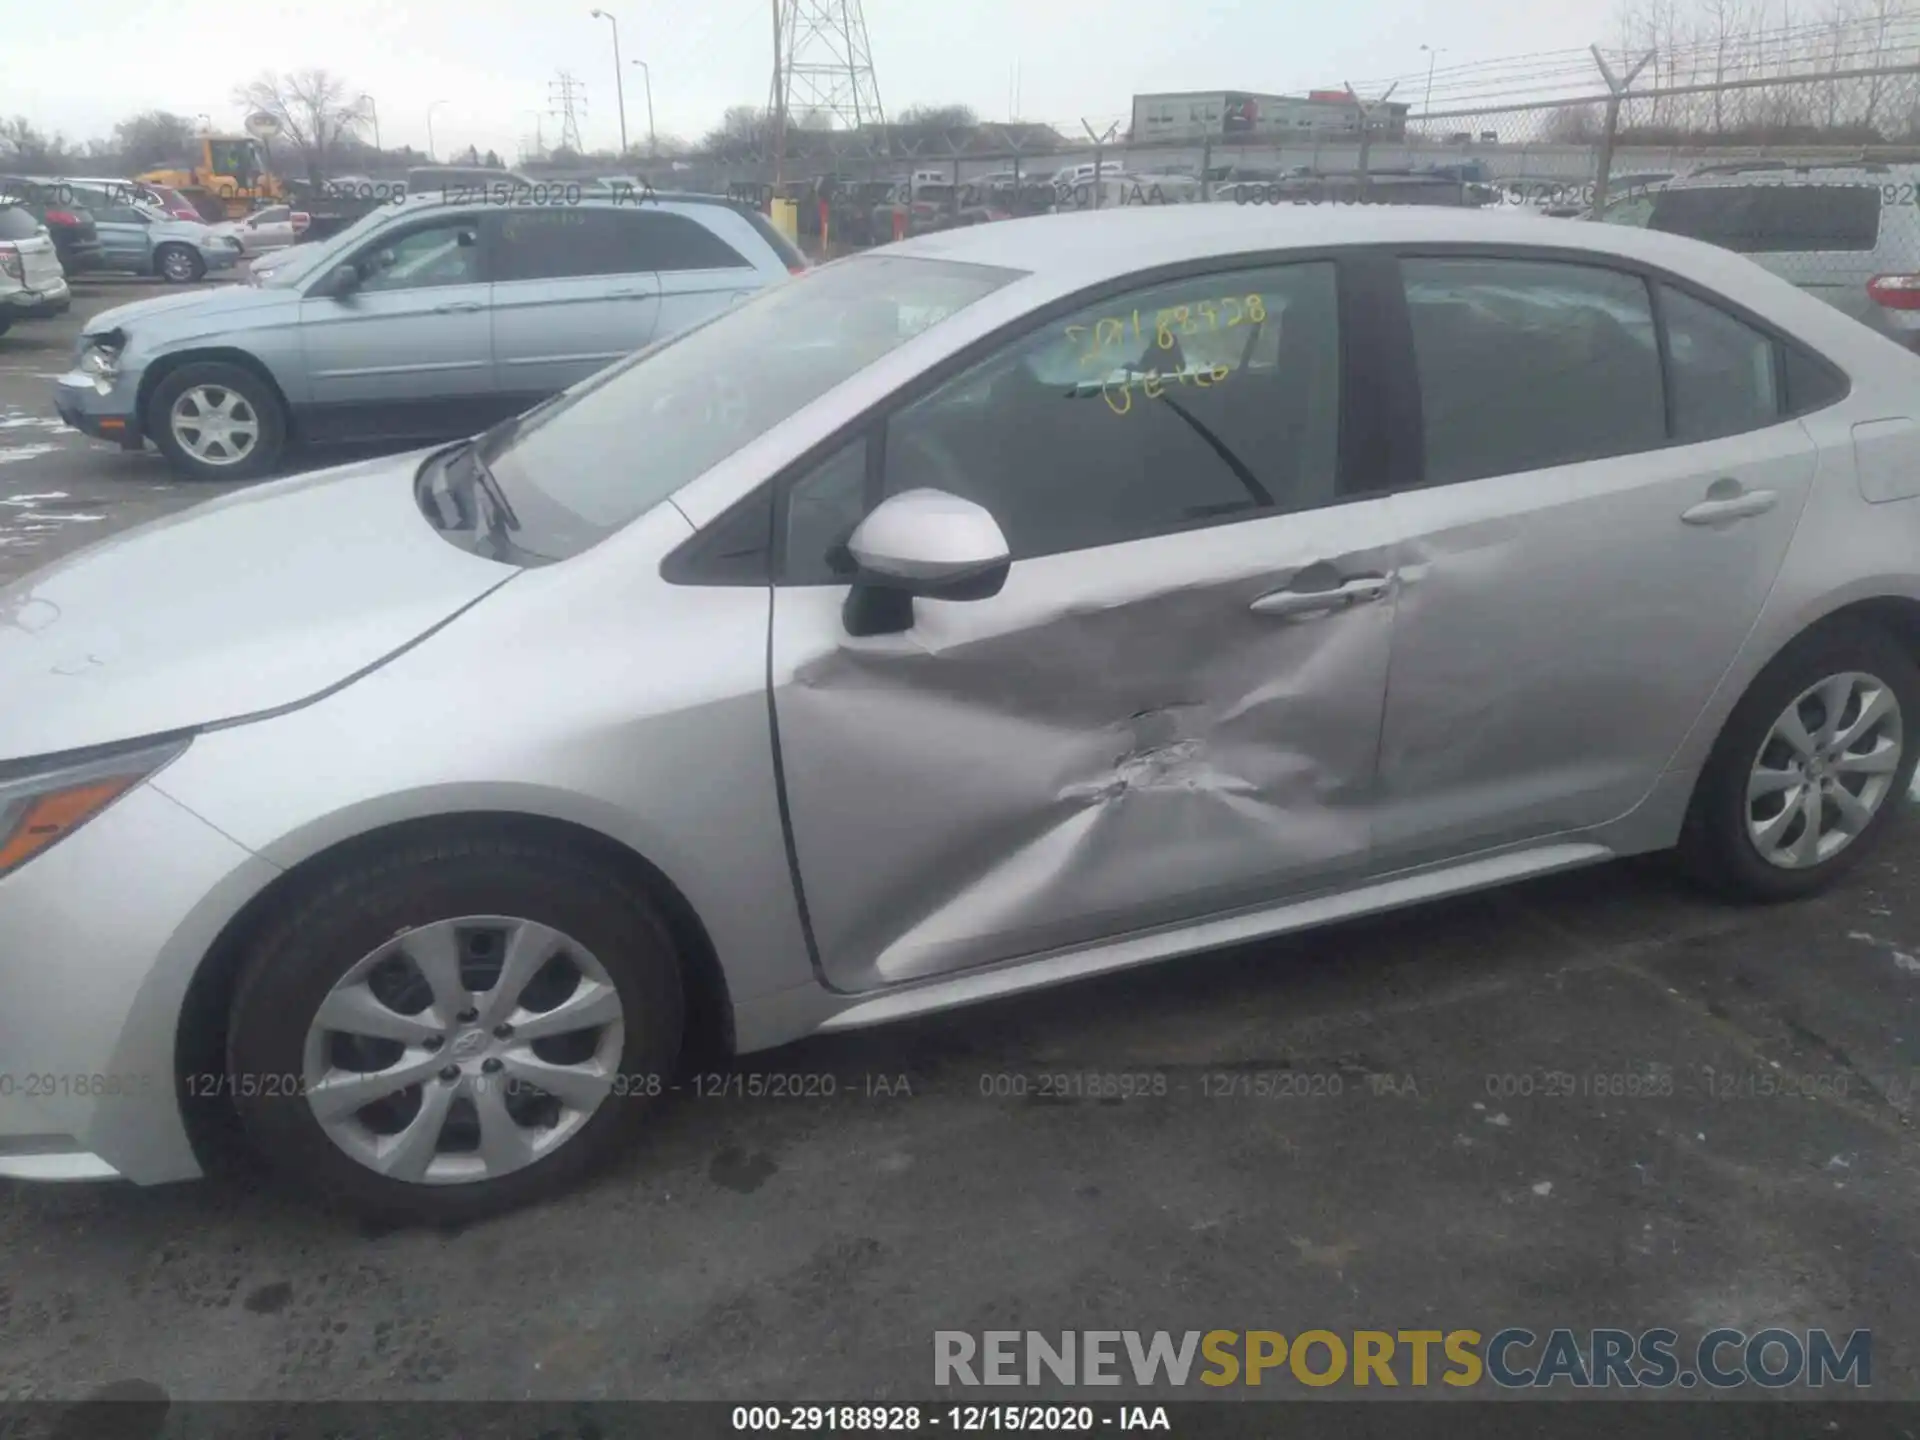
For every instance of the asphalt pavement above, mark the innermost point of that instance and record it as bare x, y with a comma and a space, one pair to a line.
1594, 1100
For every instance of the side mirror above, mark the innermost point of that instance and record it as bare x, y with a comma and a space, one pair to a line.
924, 543
342, 281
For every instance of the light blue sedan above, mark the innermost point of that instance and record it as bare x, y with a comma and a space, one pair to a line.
144, 240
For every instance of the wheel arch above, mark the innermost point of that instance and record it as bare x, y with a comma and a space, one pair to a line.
165, 365
200, 1039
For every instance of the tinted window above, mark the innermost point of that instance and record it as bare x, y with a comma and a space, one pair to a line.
559, 242
444, 254
1810, 385
614, 446
17, 224
1525, 364
661, 241
1211, 398
1761, 218
1721, 370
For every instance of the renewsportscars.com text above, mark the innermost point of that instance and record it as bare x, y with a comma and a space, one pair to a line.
1511, 1358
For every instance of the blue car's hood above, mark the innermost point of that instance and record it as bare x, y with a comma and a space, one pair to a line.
257, 600
218, 305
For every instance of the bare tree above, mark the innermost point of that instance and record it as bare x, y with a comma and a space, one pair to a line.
314, 111
28, 148
1878, 22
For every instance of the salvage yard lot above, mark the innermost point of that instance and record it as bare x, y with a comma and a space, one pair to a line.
1594, 1100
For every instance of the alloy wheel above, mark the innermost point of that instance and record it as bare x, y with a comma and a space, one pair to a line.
177, 265
464, 1050
1824, 770
215, 425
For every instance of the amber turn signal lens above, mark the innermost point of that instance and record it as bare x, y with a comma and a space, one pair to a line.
48, 817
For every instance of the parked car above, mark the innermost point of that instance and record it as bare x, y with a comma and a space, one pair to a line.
76, 239
853, 672
165, 198
1846, 234
424, 320
32, 284
140, 240
263, 231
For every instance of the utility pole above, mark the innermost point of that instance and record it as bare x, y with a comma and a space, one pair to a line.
619, 84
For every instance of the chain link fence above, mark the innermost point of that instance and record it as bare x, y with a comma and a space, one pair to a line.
1562, 156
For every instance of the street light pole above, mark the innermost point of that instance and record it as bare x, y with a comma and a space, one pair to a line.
1426, 106
373, 111
619, 89
653, 145
430, 109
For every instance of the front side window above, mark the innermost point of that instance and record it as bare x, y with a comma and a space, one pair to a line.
1721, 370
447, 253
1204, 399
1525, 364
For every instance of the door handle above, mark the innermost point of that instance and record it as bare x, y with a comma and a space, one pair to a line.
1734, 507
628, 294
1357, 591
458, 307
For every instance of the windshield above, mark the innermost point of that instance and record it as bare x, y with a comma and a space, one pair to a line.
602, 455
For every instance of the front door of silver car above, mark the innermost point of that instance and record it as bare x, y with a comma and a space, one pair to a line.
573, 291
398, 336
1594, 538
1170, 710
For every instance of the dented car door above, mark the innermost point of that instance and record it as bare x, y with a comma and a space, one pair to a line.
1172, 708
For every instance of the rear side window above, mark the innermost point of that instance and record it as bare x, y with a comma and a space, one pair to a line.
1525, 364
662, 241
1721, 370
1810, 385
1768, 219
559, 243
17, 224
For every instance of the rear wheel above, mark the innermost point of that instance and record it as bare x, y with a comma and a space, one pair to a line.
178, 264
454, 1028
217, 421
1812, 767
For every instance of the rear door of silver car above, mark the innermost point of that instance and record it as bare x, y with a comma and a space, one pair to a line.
1593, 539
700, 271
573, 292
1172, 709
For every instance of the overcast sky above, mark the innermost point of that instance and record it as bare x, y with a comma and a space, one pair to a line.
491, 60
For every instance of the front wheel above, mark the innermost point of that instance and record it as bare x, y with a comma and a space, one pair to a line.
454, 1028
178, 264
1811, 768
217, 421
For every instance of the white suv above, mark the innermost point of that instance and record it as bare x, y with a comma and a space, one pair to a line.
32, 284
1846, 234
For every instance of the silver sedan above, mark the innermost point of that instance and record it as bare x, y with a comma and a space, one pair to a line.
1012, 605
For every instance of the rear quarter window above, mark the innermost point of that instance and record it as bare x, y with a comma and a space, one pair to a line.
1763, 219
17, 224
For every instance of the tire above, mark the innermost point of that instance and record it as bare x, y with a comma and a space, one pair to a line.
330, 929
1717, 845
216, 379
179, 264
6, 324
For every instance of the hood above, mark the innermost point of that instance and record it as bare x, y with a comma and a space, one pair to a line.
254, 601
217, 304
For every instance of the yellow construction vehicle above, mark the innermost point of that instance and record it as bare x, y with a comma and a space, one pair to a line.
230, 169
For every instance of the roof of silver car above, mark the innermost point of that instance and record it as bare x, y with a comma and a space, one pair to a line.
1137, 237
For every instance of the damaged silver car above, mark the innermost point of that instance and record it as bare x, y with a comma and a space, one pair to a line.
1016, 604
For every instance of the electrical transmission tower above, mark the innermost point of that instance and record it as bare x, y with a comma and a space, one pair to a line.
823, 66
567, 99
